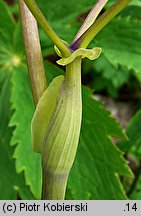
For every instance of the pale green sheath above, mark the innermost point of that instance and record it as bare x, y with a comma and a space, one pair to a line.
57, 121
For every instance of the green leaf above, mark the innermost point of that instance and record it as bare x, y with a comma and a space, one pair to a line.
17, 41
105, 76
133, 131
63, 10
132, 11
117, 76
132, 147
11, 183
11, 46
6, 23
22, 105
136, 194
132, 3
99, 163
124, 44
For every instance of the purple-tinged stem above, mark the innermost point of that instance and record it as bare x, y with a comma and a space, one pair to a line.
90, 18
33, 52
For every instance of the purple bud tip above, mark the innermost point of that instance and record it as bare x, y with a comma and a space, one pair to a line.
74, 46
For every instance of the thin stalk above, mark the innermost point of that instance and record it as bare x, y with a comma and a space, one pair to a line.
31, 4
99, 24
90, 18
33, 52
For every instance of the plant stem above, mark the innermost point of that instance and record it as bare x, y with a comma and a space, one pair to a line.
33, 52
90, 18
62, 136
46, 27
99, 24
54, 186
